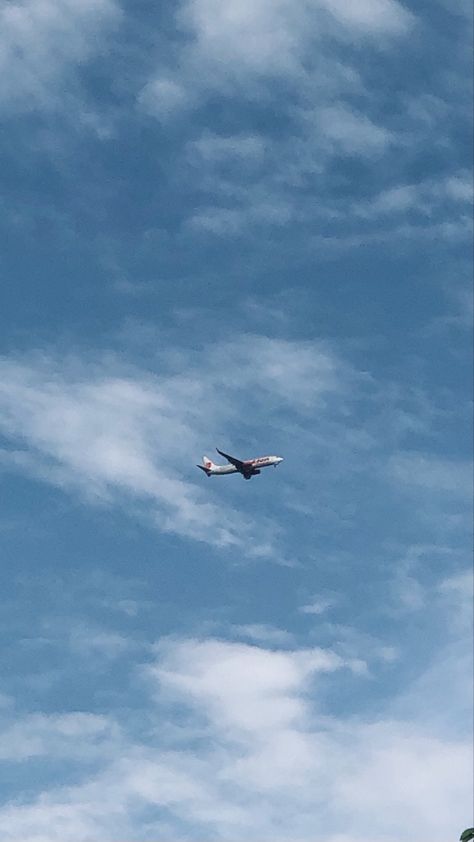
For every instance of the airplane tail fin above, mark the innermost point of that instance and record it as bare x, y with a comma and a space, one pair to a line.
207, 465
206, 470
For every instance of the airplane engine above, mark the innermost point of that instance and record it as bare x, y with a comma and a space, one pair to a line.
249, 476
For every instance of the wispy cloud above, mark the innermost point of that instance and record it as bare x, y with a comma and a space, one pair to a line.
43, 43
240, 47
249, 182
351, 132
426, 199
111, 432
334, 111
263, 633
438, 475
216, 149
371, 17
124, 436
78, 736
316, 607
162, 96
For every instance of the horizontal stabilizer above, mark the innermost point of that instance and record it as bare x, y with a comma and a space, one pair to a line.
206, 470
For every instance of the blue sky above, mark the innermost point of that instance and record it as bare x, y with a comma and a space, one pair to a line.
245, 225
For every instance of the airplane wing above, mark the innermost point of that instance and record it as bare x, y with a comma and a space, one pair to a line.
237, 463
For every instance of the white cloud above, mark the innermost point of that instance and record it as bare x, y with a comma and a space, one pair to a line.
412, 590
64, 816
409, 593
397, 199
255, 211
425, 198
290, 371
371, 17
457, 593
459, 187
317, 606
249, 182
90, 642
96, 431
163, 98
128, 436
236, 50
78, 736
459, 587
237, 46
268, 37
441, 476
352, 132
398, 770
121, 436
42, 41
242, 687
263, 633
251, 756
216, 149
240, 36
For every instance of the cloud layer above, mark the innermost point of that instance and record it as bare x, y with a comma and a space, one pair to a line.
43, 43
115, 433
252, 753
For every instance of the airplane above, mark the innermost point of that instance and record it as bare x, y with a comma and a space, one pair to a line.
248, 468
